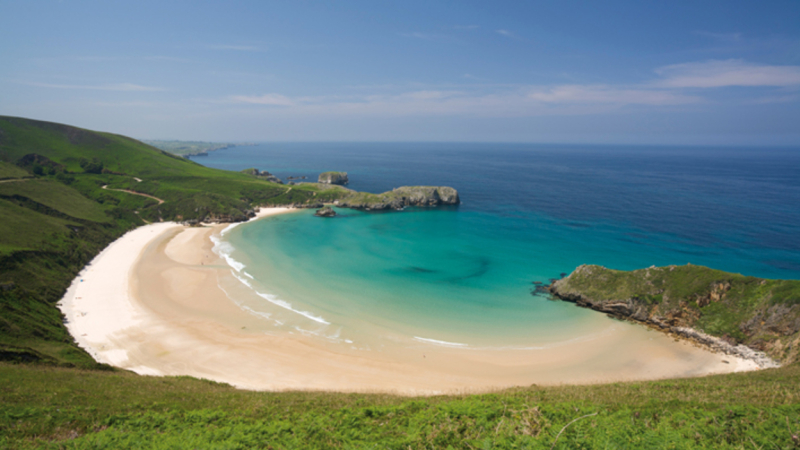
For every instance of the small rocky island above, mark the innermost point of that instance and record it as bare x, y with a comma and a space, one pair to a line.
333, 178
401, 197
727, 312
325, 211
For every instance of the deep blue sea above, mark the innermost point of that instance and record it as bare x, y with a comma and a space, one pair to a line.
529, 213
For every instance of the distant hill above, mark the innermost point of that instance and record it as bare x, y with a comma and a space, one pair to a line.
191, 148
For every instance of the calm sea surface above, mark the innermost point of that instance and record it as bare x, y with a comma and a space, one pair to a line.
529, 213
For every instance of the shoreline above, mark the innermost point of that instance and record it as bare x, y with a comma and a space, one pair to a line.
152, 303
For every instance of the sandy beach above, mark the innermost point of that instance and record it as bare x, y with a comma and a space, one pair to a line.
151, 302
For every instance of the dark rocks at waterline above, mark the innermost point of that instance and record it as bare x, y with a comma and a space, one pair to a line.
325, 211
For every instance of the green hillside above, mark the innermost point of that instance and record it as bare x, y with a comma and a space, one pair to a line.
760, 313
66, 193
43, 407
62, 201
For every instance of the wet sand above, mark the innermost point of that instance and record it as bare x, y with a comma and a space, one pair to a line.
152, 303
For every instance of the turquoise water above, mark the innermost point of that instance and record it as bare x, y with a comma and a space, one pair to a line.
464, 275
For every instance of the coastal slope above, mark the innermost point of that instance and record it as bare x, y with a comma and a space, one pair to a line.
758, 313
66, 193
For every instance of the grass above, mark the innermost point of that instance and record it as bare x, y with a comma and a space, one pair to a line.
68, 408
57, 196
55, 395
9, 171
758, 312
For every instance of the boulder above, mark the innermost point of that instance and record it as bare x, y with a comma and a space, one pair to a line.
325, 211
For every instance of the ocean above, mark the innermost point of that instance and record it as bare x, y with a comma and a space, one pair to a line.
463, 276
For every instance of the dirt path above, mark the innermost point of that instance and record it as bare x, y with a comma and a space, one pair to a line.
135, 193
14, 179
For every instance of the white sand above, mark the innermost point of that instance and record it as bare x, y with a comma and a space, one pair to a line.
151, 303
98, 305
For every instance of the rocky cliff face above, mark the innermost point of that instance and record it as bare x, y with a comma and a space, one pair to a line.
403, 196
725, 311
333, 178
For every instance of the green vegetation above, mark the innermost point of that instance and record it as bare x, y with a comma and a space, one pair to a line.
190, 148
9, 171
57, 216
68, 408
760, 313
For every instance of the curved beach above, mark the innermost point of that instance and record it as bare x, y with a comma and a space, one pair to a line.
151, 302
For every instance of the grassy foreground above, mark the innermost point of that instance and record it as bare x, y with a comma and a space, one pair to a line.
49, 407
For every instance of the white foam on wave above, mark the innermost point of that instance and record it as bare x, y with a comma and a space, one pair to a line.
436, 342
224, 250
278, 302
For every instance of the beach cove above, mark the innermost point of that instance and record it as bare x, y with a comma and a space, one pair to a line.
155, 302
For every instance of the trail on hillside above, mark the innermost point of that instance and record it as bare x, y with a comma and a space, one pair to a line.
134, 193
14, 179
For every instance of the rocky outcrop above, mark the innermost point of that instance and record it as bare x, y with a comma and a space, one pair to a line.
325, 211
263, 174
747, 317
402, 197
333, 178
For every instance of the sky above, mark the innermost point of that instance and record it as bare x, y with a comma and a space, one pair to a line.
611, 72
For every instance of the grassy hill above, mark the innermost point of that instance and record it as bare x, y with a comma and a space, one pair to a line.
51, 407
62, 200
57, 215
760, 313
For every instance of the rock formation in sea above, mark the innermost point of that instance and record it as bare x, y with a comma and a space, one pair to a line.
325, 211
333, 178
401, 197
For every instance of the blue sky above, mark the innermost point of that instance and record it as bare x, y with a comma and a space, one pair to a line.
651, 72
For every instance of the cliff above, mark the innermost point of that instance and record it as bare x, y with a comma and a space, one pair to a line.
709, 306
333, 178
401, 197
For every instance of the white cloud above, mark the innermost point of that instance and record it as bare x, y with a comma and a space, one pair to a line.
267, 99
127, 87
677, 86
504, 32
601, 94
732, 72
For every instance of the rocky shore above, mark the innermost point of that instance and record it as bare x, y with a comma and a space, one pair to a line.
742, 316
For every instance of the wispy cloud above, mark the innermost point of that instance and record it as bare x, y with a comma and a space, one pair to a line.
732, 72
602, 94
676, 85
504, 33
239, 48
266, 99
125, 87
